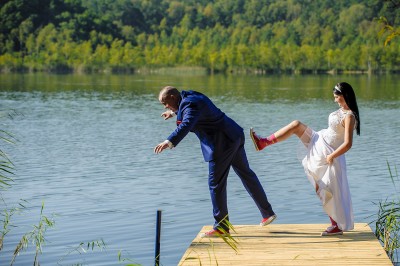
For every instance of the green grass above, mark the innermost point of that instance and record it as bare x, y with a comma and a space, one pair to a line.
387, 224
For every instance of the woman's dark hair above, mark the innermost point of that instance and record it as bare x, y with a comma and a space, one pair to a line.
349, 96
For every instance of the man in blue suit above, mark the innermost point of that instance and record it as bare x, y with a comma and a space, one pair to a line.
222, 143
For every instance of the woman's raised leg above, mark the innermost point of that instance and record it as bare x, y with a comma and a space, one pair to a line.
295, 127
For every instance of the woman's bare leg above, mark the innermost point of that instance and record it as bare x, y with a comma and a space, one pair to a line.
295, 127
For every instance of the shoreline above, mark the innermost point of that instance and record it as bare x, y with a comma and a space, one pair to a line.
178, 70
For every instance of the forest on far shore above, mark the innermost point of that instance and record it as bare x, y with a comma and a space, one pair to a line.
265, 36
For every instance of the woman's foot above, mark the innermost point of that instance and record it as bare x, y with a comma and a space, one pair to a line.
258, 143
332, 231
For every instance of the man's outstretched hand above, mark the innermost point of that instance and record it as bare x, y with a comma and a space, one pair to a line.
167, 114
160, 147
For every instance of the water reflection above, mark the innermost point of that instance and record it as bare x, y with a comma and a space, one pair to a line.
255, 88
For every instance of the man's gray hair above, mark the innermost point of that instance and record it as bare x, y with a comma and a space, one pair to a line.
168, 90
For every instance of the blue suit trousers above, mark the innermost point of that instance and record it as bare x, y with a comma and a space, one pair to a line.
234, 156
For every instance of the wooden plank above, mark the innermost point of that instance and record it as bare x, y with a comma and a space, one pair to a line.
288, 244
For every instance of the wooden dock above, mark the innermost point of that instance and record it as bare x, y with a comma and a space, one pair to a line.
288, 244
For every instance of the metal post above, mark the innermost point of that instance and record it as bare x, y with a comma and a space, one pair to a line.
158, 236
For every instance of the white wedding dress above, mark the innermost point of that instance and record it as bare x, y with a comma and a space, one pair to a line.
333, 189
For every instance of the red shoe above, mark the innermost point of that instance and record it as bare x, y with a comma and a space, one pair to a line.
214, 233
267, 221
258, 144
332, 231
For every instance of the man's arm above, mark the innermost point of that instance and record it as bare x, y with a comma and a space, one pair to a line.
190, 116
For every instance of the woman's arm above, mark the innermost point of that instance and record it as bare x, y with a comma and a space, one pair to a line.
349, 122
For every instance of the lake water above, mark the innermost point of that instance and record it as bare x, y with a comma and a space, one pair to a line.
85, 150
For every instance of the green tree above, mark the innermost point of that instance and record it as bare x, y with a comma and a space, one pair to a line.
47, 35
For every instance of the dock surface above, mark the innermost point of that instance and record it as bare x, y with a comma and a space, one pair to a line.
288, 244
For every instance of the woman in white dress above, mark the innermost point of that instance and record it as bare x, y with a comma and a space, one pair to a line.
324, 160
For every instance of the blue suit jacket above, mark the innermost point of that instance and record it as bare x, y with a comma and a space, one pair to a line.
215, 130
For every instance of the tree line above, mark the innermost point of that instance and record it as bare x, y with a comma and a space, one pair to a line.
218, 35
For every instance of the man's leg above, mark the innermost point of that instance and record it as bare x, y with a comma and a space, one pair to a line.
217, 180
251, 182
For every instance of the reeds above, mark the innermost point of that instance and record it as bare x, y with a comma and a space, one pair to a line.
387, 224
225, 236
6, 166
